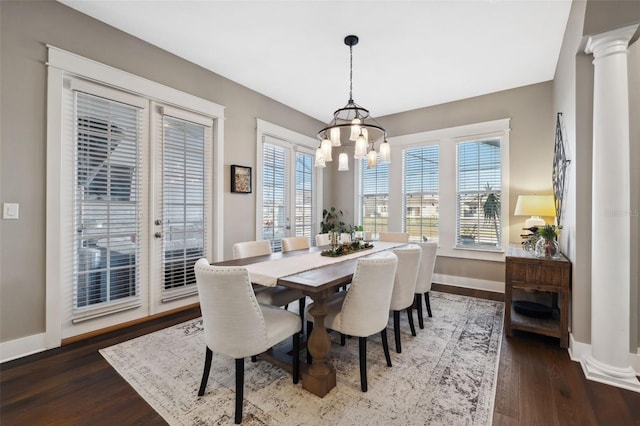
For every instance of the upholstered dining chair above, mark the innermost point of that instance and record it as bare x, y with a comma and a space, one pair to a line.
394, 237
295, 243
362, 311
278, 295
425, 274
236, 325
404, 288
322, 240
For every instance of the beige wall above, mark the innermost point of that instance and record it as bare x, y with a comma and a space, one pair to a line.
26, 27
530, 158
573, 95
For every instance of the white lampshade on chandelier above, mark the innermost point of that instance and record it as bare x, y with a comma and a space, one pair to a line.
354, 121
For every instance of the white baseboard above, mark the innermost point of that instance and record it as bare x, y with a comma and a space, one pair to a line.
474, 283
24, 346
578, 351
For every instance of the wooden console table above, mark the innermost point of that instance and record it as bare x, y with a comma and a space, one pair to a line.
540, 280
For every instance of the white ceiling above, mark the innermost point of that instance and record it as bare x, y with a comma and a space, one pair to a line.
411, 54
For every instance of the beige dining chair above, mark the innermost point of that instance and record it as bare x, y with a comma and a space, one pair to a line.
425, 275
322, 240
278, 295
362, 311
394, 237
295, 243
237, 326
404, 288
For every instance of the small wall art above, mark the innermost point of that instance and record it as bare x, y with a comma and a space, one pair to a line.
241, 179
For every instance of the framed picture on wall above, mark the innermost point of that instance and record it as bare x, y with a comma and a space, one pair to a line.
240, 179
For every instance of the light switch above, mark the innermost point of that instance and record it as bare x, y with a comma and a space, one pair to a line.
10, 210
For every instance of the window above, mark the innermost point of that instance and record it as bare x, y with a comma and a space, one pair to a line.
420, 192
374, 198
288, 187
479, 183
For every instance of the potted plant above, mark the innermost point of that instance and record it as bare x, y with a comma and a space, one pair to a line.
332, 221
547, 244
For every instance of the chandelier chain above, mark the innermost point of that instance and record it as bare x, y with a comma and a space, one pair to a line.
351, 73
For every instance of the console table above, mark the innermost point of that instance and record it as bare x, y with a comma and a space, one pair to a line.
546, 282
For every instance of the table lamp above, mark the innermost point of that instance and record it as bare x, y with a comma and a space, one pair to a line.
535, 206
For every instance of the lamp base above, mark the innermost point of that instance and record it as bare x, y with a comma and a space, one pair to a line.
536, 221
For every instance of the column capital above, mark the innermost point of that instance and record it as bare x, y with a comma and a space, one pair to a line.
610, 42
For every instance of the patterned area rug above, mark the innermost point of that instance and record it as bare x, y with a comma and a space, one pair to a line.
444, 376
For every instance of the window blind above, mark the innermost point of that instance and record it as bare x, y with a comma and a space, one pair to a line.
304, 194
107, 202
275, 194
421, 168
374, 197
479, 182
183, 200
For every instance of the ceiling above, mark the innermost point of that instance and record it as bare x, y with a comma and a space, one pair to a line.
411, 54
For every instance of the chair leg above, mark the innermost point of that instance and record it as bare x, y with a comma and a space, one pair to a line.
426, 299
385, 346
410, 318
342, 339
296, 357
301, 304
396, 330
363, 363
309, 330
205, 374
419, 308
239, 389
254, 358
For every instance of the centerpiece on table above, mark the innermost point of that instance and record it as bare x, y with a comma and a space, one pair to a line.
340, 249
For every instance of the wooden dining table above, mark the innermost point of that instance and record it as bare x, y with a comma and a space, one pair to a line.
318, 283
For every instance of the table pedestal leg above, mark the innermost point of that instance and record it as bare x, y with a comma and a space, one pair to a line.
320, 377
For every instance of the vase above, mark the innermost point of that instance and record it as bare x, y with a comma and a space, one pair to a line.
547, 248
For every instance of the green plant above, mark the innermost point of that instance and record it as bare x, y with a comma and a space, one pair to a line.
332, 221
550, 232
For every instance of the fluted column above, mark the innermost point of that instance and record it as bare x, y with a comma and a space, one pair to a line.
610, 252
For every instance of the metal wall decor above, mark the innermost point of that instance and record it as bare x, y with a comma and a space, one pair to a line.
560, 163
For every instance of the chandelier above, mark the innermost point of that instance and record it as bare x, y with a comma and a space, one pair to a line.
352, 125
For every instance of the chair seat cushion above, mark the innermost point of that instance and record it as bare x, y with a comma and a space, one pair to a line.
280, 324
277, 296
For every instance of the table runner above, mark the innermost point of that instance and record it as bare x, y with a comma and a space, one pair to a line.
267, 273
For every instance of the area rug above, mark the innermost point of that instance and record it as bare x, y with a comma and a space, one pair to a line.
445, 375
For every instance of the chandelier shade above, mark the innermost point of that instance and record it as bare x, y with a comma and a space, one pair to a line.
353, 125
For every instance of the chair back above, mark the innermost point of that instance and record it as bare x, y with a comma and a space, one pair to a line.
404, 287
365, 310
427, 263
251, 248
394, 237
322, 240
295, 243
233, 321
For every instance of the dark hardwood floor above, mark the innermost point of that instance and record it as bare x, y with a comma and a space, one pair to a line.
537, 385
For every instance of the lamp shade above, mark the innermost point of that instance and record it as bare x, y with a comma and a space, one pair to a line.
535, 206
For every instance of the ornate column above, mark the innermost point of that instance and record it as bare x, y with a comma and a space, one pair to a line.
610, 252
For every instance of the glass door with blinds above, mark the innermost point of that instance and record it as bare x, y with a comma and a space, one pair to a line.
288, 192
181, 213
107, 202
479, 184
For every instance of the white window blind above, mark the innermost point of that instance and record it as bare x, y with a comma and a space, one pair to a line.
304, 194
421, 168
374, 198
275, 194
106, 202
183, 200
479, 182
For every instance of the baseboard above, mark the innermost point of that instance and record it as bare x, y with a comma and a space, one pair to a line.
473, 283
24, 346
578, 351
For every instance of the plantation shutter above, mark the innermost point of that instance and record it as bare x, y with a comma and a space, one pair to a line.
304, 194
107, 204
275, 194
184, 150
374, 197
479, 182
420, 192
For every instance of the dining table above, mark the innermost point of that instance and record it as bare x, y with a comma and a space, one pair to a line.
317, 277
